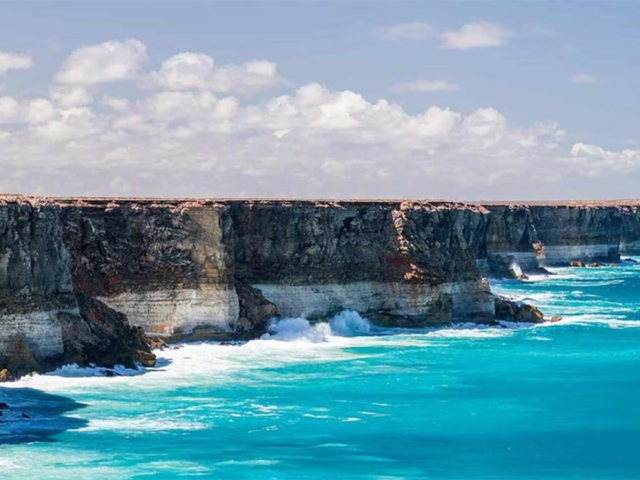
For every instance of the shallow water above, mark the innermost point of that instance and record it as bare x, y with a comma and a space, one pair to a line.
348, 401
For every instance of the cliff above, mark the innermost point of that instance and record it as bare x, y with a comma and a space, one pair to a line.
77, 274
44, 320
530, 237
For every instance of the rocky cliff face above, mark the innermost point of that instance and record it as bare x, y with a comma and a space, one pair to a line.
525, 238
168, 267
77, 274
43, 321
35, 281
403, 263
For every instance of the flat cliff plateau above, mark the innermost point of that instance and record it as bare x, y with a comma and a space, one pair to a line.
81, 278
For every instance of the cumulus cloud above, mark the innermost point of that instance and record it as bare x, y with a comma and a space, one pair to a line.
597, 158
105, 62
427, 86
198, 71
475, 35
68, 96
40, 110
8, 109
14, 61
189, 136
583, 78
405, 31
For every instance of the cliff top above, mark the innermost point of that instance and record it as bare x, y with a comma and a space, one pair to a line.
166, 201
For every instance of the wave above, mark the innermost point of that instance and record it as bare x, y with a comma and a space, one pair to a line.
347, 323
350, 324
297, 330
141, 425
611, 321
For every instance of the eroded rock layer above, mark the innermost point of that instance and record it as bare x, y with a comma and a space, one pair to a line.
221, 269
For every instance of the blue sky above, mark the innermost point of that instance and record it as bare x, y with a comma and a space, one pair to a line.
570, 66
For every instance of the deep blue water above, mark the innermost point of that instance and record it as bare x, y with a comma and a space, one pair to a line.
557, 401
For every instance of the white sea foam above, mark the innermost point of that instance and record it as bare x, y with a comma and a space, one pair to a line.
470, 330
288, 341
297, 330
348, 323
257, 462
611, 321
141, 425
469, 333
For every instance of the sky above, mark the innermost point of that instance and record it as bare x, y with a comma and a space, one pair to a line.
475, 100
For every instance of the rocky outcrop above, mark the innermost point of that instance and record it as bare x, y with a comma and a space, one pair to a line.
103, 336
514, 311
76, 275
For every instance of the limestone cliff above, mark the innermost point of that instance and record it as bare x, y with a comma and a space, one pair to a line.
405, 263
530, 237
77, 274
44, 321
168, 267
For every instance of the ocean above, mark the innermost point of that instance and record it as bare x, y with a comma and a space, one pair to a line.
346, 400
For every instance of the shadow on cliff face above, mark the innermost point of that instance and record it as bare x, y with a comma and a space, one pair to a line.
35, 416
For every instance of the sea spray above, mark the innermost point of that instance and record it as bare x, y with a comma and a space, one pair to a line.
347, 323
297, 330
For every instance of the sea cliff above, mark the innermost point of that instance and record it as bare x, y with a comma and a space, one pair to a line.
79, 276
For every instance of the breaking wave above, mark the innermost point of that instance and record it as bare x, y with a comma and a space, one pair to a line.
347, 323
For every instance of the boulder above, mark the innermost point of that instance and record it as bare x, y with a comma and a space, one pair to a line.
517, 311
147, 359
576, 263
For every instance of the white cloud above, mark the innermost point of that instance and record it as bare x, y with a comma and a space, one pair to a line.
189, 137
8, 109
104, 62
73, 124
117, 104
427, 86
475, 35
40, 110
198, 71
597, 158
313, 142
68, 96
405, 31
14, 61
583, 78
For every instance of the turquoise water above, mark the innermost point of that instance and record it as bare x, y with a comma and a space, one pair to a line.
345, 401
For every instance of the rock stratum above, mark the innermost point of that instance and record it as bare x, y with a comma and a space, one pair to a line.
80, 278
